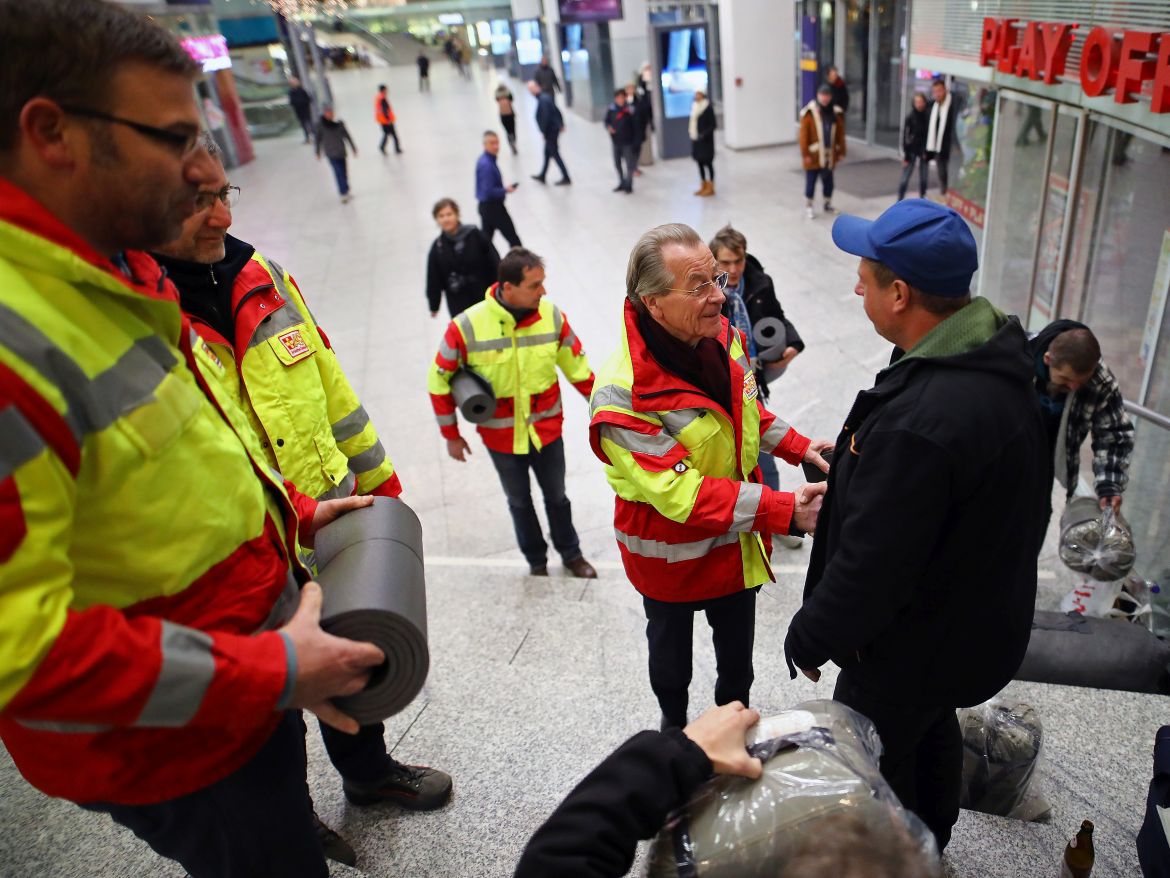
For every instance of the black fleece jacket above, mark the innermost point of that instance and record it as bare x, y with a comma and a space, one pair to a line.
594, 832
463, 266
922, 580
205, 291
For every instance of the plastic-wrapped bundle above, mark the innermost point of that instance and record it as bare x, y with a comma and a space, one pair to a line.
820, 762
1001, 746
1095, 542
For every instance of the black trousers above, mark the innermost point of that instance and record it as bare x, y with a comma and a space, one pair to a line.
941, 163
922, 753
552, 152
669, 629
493, 215
388, 132
255, 823
360, 758
306, 125
509, 123
625, 153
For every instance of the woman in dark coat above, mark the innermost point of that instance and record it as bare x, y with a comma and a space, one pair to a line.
914, 146
702, 131
462, 263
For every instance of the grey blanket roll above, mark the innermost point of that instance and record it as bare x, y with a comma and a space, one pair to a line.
1074, 650
473, 394
370, 564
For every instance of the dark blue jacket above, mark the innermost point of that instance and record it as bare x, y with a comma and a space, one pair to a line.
489, 184
548, 118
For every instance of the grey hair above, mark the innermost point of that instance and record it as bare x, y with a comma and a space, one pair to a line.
647, 273
209, 144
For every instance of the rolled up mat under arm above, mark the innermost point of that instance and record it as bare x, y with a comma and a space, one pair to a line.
370, 564
473, 394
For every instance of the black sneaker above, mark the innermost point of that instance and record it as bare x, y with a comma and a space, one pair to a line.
542, 570
538, 178
409, 786
564, 182
335, 847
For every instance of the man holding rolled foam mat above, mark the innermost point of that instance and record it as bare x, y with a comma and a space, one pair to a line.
283, 374
922, 581
515, 339
152, 657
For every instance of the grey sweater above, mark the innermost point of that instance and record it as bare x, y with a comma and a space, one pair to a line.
332, 136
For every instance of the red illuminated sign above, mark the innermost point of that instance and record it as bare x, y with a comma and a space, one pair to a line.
1038, 50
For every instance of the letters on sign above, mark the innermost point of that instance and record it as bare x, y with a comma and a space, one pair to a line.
1123, 63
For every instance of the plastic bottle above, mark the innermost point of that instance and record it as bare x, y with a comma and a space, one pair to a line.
1159, 610
1078, 854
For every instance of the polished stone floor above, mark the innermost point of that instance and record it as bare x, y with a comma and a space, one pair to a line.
534, 680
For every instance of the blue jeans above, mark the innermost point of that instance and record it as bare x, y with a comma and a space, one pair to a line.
340, 173
548, 465
810, 182
769, 471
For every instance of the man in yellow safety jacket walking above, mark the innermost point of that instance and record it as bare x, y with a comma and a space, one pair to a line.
678, 423
151, 649
515, 339
282, 372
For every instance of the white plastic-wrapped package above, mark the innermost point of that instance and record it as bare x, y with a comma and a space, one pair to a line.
1001, 747
820, 773
1094, 541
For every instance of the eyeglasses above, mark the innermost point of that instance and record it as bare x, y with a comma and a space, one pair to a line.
228, 196
182, 142
706, 288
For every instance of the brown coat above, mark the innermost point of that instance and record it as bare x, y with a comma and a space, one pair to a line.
812, 150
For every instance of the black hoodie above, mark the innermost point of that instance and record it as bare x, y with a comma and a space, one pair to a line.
922, 580
463, 266
205, 291
914, 131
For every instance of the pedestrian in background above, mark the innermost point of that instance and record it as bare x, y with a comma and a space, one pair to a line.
332, 136
490, 191
424, 71
384, 115
701, 129
551, 124
940, 131
619, 122
643, 112
840, 89
462, 263
302, 105
914, 146
546, 78
822, 145
504, 101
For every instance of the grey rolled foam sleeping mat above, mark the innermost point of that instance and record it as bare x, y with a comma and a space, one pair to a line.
473, 395
370, 567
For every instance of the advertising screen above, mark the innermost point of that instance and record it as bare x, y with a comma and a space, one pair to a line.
684, 69
528, 46
210, 51
580, 11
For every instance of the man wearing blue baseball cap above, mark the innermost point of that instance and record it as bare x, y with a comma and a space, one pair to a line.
922, 581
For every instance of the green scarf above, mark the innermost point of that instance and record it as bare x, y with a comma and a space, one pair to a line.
967, 329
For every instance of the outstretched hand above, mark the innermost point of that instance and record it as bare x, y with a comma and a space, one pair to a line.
720, 733
808, 506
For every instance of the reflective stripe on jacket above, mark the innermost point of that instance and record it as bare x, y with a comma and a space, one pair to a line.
693, 520
520, 362
144, 541
288, 381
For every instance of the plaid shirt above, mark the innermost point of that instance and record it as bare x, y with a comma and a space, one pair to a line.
1097, 408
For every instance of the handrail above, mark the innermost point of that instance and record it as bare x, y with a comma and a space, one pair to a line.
1148, 414
384, 45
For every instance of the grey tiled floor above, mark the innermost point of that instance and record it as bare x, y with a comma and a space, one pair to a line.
533, 681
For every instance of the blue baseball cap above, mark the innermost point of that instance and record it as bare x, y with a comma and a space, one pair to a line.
926, 244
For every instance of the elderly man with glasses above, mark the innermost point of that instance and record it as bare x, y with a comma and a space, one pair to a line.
282, 372
676, 418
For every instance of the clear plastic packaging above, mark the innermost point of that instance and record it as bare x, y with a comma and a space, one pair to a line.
1094, 541
1002, 741
821, 781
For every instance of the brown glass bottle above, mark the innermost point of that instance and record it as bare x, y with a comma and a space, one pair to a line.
1078, 854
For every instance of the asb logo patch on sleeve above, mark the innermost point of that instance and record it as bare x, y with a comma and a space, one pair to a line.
295, 344
750, 391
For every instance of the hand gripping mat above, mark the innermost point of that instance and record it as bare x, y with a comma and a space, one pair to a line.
370, 564
473, 395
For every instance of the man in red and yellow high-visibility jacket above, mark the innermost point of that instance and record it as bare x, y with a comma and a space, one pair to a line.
283, 374
677, 421
515, 339
148, 566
